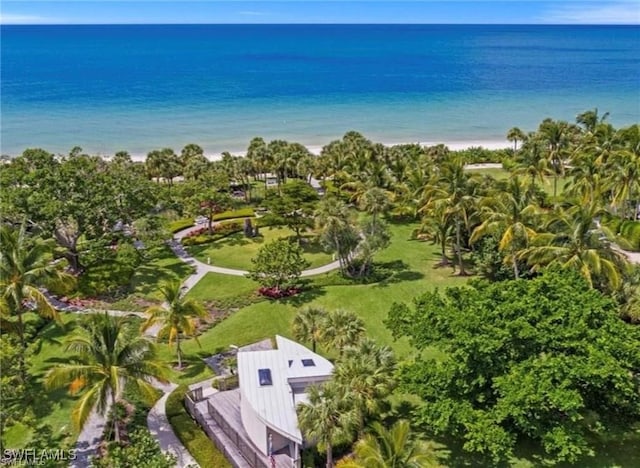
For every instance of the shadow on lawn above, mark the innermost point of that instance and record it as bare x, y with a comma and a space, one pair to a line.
395, 271
308, 294
194, 364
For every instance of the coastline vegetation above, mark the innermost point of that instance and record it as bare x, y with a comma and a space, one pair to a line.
454, 270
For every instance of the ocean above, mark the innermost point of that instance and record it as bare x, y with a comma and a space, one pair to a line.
141, 87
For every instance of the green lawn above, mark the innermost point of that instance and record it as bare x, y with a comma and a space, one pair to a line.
236, 250
410, 260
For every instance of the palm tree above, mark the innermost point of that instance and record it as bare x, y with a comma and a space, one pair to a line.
557, 136
176, 316
590, 119
375, 201
437, 223
109, 357
392, 448
328, 418
25, 266
624, 180
576, 240
453, 191
342, 329
308, 325
531, 161
366, 371
334, 217
510, 214
515, 135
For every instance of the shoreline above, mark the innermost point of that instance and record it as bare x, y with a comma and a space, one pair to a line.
316, 149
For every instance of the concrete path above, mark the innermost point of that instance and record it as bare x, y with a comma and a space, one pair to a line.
203, 268
89, 439
162, 431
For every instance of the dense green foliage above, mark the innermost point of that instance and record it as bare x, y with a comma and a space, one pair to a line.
278, 265
142, 451
546, 359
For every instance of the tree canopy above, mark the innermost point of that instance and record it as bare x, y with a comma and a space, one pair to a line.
547, 359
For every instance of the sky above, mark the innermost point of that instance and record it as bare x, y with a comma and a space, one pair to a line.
309, 11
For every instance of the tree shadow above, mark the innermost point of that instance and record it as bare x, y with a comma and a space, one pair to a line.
194, 364
395, 271
306, 296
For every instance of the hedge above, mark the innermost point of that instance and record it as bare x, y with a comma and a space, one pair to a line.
180, 224
241, 213
190, 434
226, 383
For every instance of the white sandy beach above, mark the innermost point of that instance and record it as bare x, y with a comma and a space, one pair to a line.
315, 149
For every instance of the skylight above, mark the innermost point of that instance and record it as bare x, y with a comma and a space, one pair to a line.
308, 363
264, 376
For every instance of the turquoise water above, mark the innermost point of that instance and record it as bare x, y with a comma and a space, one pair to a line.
137, 88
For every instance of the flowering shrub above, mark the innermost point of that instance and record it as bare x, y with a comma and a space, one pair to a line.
277, 293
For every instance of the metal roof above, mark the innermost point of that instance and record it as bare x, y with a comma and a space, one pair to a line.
275, 404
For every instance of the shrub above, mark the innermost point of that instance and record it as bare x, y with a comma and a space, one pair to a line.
226, 383
190, 434
143, 451
276, 293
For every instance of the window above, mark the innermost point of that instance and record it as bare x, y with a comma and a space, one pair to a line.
308, 363
290, 362
264, 377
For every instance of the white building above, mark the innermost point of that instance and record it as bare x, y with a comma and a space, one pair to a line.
272, 384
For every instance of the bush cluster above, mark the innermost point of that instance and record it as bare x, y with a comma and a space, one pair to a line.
220, 230
226, 383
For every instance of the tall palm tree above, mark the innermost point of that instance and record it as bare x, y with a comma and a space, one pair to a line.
177, 316
109, 357
437, 223
376, 202
366, 370
453, 190
328, 418
341, 329
333, 217
25, 266
515, 134
392, 448
510, 214
308, 325
624, 180
557, 135
531, 161
590, 119
575, 239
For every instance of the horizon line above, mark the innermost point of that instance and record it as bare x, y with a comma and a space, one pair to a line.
321, 24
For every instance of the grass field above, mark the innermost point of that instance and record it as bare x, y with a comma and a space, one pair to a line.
410, 260
236, 251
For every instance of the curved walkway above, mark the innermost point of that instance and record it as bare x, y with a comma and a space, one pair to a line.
203, 268
161, 429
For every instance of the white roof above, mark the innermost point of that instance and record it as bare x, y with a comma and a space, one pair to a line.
275, 404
